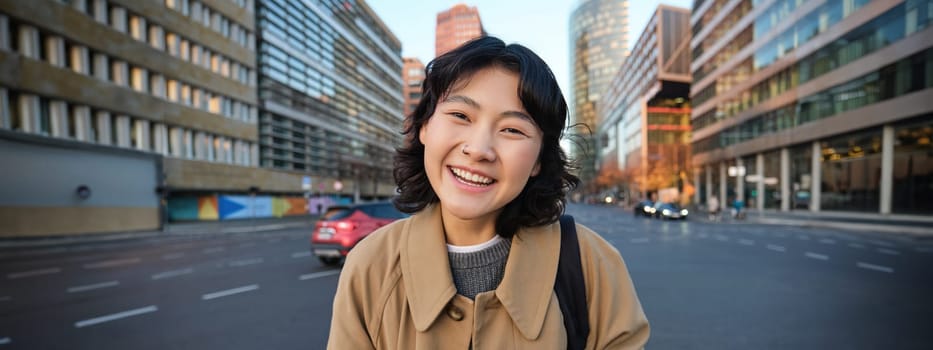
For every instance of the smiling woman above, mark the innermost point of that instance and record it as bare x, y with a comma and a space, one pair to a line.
476, 265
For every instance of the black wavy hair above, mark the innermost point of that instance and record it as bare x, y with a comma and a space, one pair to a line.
542, 201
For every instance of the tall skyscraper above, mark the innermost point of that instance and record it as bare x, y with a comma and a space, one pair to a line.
110, 107
809, 105
644, 131
599, 44
412, 77
459, 24
331, 94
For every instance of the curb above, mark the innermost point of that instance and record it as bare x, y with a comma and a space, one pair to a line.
915, 232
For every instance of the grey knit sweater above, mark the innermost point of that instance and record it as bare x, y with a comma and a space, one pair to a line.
480, 271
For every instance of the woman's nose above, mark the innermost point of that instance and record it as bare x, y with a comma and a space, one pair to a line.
478, 149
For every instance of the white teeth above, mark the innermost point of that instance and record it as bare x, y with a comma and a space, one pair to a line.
466, 175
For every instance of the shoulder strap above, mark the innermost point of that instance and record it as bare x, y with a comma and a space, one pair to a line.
570, 287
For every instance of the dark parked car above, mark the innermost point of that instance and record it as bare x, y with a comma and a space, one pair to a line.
644, 208
336, 234
669, 211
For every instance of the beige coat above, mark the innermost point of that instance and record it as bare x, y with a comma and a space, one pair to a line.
396, 291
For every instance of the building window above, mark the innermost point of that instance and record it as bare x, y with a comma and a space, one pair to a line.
119, 73
138, 28
55, 51
28, 42
139, 80
105, 127
851, 172
121, 130
79, 59
913, 167
173, 90
6, 119
118, 19
99, 9
156, 37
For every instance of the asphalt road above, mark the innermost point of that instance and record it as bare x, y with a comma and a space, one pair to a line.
703, 286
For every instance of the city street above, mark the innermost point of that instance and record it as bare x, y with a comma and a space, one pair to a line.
703, 286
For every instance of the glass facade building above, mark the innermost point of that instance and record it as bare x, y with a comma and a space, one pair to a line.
598, 47
830, 99
644, 126
331, 93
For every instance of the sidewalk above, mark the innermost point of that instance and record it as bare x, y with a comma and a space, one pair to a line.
169, 230
912, 226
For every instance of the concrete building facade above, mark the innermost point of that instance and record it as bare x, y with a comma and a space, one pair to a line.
598, 46
455, 26
644, 131
814, 105
168, 87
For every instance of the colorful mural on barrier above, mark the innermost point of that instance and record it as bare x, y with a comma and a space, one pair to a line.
224, 207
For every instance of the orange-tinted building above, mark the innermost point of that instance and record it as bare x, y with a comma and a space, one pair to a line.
456, 26
412, 76
643, 130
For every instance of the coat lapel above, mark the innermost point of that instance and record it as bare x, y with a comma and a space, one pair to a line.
429, 285
528, 282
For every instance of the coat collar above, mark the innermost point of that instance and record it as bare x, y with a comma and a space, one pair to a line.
526, 287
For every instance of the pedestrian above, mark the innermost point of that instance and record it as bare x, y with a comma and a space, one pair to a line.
484, 176
713, 204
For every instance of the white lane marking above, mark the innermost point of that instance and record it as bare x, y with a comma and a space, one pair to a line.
301, 255
116, 316
888, 251
640, 240
275, 240
47, 271
5, 341
924, 249
247, 245
875, 267
722, 238
245, 262
172, 273
828, 241
229, 292
857, 245
111, 263
213, 250
746, 242
318, 274
777, 248
882, 243
173, 256
88, 287
803, 238
6, 298
703, 235
816, 256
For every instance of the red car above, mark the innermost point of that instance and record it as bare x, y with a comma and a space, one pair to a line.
336, 234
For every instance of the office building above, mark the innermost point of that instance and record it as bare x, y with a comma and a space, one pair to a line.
598, 46
331, 95
644, 129
412, 76
109, 109
459, 24
814, 105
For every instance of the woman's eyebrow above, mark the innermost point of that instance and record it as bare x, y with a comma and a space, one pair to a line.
472, 103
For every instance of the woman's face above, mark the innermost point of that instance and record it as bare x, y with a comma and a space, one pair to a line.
480, 145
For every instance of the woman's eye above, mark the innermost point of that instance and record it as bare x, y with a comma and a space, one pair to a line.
459, 116
513, 131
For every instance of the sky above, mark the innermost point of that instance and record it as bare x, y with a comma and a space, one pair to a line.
540, 25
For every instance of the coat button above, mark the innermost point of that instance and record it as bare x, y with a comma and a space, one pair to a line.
455, 313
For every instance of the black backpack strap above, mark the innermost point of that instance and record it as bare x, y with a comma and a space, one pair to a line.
570, 286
